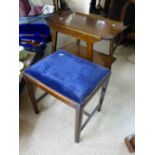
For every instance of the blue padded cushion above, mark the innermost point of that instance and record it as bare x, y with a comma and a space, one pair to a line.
68, 74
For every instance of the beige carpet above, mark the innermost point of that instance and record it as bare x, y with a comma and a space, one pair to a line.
52, 131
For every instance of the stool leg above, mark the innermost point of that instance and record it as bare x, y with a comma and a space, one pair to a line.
101, 98
78, 123
32, 96
103, 91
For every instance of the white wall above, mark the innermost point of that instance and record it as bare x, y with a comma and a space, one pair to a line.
74, 5
79, 5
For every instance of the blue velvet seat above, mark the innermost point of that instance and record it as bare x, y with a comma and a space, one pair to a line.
71, 76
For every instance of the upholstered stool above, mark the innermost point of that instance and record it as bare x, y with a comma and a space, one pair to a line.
70, 79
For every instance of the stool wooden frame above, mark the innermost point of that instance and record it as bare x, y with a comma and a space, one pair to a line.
79, 108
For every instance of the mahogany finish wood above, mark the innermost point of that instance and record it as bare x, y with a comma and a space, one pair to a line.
130, 143
50, 91
90, 51
90, 28
54, 40
78, 123
79, 108
32, 95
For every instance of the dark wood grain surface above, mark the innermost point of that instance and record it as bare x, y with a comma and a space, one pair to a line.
98, 27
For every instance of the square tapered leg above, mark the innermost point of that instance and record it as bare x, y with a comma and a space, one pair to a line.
78, 123
32, 96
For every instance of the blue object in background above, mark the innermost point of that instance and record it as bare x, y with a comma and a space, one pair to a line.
32, 33
35, 31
